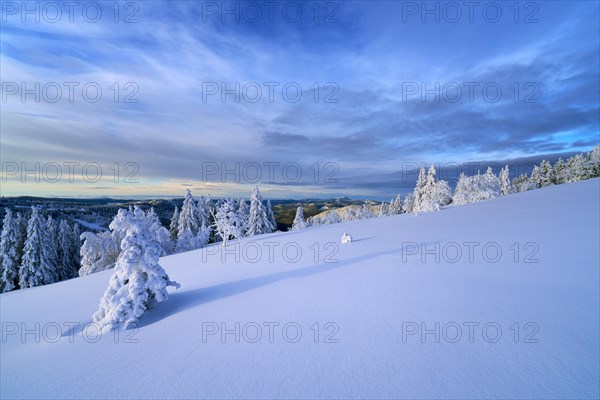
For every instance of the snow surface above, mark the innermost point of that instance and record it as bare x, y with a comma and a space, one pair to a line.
373, 290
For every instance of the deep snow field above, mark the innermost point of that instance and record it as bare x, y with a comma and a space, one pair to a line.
509, 309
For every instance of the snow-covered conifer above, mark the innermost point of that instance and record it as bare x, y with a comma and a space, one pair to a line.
227, 223
139, 281
174, 223
258, 220
299, 219
65, 250
242, 215
396, 206
504, 181
161, 234
187, 229
36, 268
271, 216
10, 249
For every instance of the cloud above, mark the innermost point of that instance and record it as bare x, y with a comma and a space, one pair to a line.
354, 110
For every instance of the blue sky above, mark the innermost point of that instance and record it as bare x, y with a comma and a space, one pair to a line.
376, 66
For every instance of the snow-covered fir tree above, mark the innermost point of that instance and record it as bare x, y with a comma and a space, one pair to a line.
202, 213
546, 174
139, 281
242, 214
174, 223
100, 251
271, 216
76, 248
433, 194
408, 203
11, 248
419, 190
299, 219
383, 209
52, 238
227, 223
187, 228
471, 189
258, 219
396, 206
161, 234
521, 184
535, 179
504, 181
36, 268
65, 251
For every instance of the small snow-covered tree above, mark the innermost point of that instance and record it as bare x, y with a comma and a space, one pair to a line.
11, 250
100, 251
559, 172
521, 184
433, 194
139, 281
174, 223
419, 191
161, 234
36, 268
258, 219
408, 204
242, 215
76, 248
51, 236
65, 251
202, 213
504, 181
535, 179
396, 206
227, 223
271, 216
299, 219
382, 209
546, 173
188, 226
476, 188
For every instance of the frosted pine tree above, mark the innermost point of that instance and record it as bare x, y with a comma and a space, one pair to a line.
258, 221
418, 192
11, 248
559, 172
547, 175
51, 237
504, 181
382, 209
187, 228
100, 251
408, 204
161, 234
65, 251
535, 179
36, 268
271, 216
75, 249
174, 223
396, 206
202, 213
227, 223
139, 282
299, 219
242, 214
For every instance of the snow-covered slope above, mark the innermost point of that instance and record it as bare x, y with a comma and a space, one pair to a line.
364, 305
